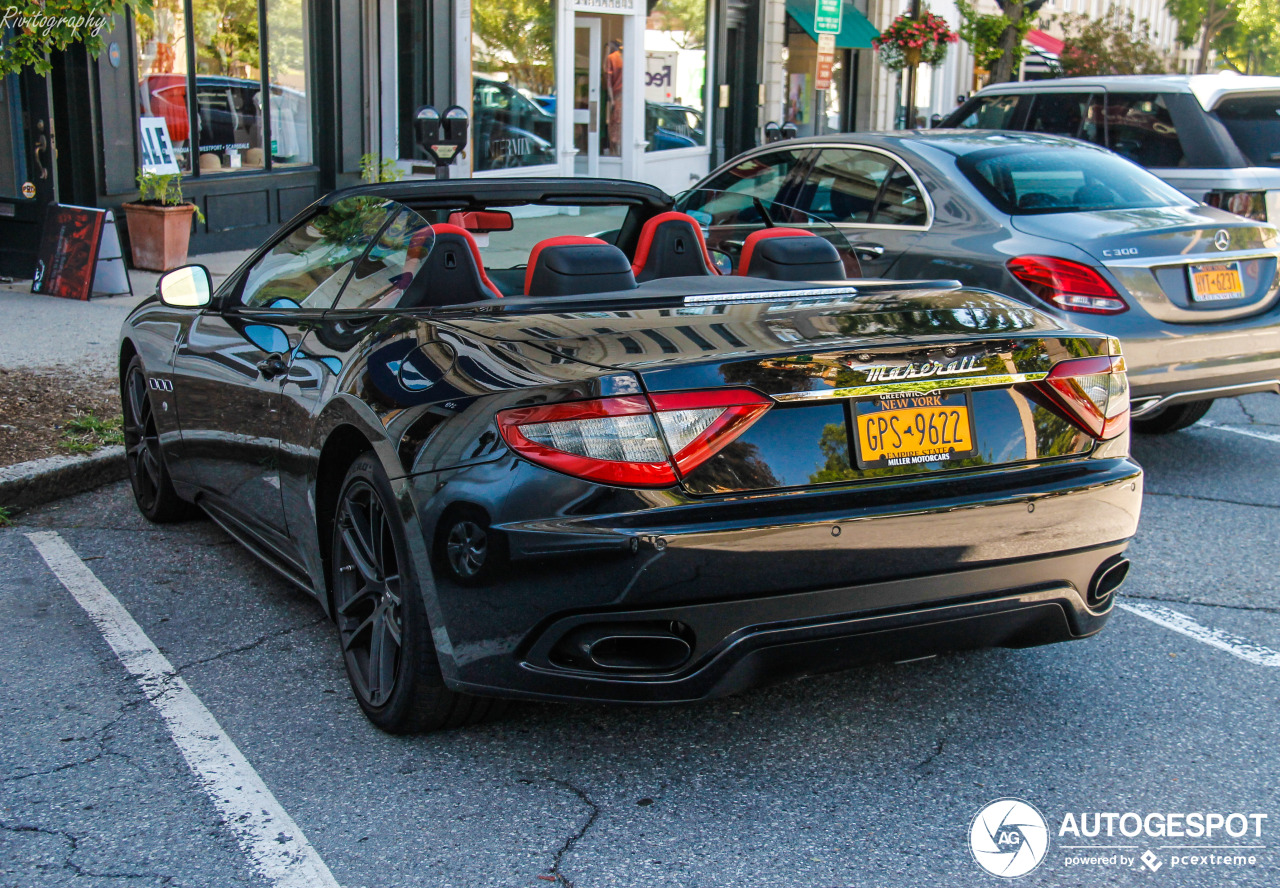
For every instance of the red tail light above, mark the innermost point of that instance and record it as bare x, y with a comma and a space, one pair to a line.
632, 441
1093, 392
1066, 284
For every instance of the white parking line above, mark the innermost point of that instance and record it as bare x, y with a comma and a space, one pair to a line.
1223, 641
264, 830
1236, 430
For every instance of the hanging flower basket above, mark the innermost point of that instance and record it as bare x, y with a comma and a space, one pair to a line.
908, 42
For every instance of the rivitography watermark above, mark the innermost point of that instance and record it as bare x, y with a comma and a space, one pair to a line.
37, 20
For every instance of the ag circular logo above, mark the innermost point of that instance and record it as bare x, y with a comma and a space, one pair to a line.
1009, 838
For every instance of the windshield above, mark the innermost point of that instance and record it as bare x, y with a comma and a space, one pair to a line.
1066, 179
1254, 124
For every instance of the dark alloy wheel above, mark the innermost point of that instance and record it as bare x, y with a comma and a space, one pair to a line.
367, 593
1172, 419
148, 474
382, 621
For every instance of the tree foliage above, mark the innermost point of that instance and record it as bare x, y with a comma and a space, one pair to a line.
516, 37
1244, 33
30, 30
983, 32
687, 17
1116, 43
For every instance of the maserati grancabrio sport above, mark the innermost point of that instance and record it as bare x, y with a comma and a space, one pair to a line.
532, 438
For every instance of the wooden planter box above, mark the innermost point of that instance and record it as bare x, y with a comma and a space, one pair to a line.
159, 236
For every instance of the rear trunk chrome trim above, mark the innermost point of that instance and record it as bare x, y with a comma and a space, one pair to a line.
921, 387
1147, 406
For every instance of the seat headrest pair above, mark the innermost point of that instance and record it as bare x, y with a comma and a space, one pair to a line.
573, 265
790, 254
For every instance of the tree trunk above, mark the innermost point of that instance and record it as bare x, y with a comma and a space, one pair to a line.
1005, 70
1202, 63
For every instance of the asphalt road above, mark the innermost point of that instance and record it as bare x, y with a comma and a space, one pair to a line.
870, 777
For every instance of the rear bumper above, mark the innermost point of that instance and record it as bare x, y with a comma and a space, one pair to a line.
753, 643
1195, 358
789, 594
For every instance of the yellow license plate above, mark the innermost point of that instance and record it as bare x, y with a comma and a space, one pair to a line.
910, 429
1214, 283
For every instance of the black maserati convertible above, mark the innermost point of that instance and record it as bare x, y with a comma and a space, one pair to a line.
549, 439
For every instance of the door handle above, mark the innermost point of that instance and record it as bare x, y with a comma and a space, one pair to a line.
272, 366
868, 251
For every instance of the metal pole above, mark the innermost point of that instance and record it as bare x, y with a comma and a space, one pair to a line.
911, 78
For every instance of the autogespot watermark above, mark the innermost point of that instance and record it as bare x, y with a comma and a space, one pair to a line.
36, 21
1010, 837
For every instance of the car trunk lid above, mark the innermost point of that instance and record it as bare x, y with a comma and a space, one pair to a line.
1186, 265
880, 384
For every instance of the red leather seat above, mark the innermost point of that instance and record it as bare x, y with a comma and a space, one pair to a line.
671, 245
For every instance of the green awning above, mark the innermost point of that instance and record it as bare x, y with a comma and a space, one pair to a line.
855, 31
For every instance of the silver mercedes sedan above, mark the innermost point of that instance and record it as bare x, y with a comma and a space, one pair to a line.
1191, 291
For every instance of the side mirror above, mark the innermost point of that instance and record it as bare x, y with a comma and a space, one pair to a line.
723, 261
186, 287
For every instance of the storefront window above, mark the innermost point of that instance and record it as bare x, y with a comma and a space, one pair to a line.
813, 112
162, 73
289, 71
231, 130
228, 85
513, 83
675, 91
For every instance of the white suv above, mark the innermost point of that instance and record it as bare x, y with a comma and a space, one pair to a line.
1214, 137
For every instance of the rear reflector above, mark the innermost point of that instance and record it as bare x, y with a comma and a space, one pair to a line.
617, 441
1068, 285
1093, 393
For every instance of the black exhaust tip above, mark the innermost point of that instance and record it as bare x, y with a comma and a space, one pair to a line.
626, 647
1106, 581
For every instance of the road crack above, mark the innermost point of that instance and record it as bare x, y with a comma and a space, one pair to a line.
256, 643
555, 871
1211, 499
1239, 607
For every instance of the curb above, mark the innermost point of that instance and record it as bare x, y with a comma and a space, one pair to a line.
44, 480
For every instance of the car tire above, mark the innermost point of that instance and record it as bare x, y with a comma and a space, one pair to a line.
383, 629
1172, 419
468, 549
148, 473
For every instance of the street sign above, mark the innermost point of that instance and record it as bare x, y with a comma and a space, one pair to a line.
826, 60
826, 19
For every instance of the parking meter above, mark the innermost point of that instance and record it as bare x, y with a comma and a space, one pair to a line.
789, 130
771, 132
441, 137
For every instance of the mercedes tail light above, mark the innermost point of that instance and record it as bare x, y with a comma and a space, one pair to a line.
1068, 285
1093, 393
1250, 204
632, 441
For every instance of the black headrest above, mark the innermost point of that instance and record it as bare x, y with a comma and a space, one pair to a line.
791, 258
451, 274
572, 266
671, 245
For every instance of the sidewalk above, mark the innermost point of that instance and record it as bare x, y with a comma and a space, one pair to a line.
79, 338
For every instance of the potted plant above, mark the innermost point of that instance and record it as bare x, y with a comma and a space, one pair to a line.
908, 41
160, 222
